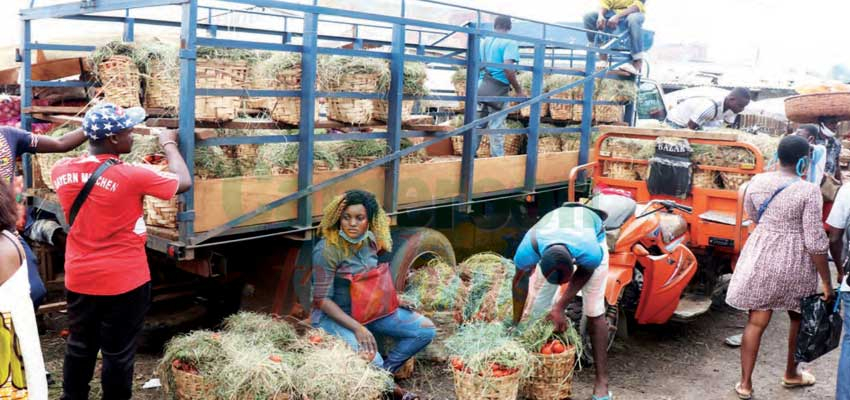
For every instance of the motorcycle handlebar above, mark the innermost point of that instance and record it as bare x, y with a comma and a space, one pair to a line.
669, 204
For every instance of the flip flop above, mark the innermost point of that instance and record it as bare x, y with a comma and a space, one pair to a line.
608, 396
806, 379
742, 394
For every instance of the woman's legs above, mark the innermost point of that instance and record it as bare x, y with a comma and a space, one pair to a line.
791, 372
411, 332
757, 323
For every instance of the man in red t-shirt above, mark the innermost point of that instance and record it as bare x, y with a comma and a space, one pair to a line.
106, 270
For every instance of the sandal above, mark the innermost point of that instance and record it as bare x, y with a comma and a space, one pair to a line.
608, 396
806, 379
410, 396
741, 393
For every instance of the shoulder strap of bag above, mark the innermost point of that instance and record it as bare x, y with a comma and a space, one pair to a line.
84, 193
764, 205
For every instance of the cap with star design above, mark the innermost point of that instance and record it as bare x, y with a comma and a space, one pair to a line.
107, 119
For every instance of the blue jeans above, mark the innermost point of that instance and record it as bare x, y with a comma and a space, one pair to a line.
842, 388
410, 331
37, 289
633, 23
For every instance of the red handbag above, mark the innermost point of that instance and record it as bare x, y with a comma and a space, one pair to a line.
373, 294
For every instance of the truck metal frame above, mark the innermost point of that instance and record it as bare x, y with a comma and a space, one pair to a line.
436, 55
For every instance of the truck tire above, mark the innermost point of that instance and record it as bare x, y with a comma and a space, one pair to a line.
413, 247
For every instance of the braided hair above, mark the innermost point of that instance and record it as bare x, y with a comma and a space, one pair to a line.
379, 223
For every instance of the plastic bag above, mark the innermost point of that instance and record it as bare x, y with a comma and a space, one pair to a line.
820, 329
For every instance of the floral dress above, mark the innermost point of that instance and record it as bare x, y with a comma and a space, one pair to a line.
775, 269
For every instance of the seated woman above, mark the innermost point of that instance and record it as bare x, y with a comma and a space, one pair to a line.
22, 374
354, 295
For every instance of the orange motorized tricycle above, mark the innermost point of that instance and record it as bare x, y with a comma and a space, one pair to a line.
670, 253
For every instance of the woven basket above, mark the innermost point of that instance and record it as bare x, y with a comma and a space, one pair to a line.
705, 179
120, 81
526, 112
732, 181
808, 108
353, 111
553, 376
483, 147
381, 110
158, 212
473, 387
578, 109
549, 144
460, 88
513, 144
608, 113
570, 144
256, 80
45, 166
288, 109
446, 324
191, 386
625, 171
219, 74
561, 112
162, 87
406, 370
357, 162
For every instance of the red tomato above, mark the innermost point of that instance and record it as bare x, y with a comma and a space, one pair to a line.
64, 333
275, 358
457, 364
315, 339
558, 347
176, 364
547, 349
216, 336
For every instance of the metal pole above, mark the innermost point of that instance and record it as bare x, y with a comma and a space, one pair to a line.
470, 136
587, 108
129, 27
26, 96
309, 59
534, 119
188, 36
394, 117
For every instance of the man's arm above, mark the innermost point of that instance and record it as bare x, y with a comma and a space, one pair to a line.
62, 144
176, 164
836, 248
519, 290
577, 281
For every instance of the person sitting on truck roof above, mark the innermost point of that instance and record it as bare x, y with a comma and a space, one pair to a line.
567, 247
620, 15
497, 81
828, 136
107, 279
14, 143
700, 112
354, 294
810, 133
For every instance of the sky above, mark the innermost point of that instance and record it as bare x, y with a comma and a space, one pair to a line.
809, 36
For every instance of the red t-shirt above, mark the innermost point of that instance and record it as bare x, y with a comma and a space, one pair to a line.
105, 252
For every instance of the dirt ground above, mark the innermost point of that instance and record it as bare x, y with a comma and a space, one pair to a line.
673, 361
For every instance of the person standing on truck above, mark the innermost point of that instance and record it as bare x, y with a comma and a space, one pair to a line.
567, 248
701, 112
838, 222
620, 15
829, 137
354, 295
106, 270
782, 260
14, 143
497, 81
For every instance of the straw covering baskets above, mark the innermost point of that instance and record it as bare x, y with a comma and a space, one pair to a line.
120, 80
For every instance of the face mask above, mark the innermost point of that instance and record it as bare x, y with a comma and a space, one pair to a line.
356, 241
802, 165
826, 131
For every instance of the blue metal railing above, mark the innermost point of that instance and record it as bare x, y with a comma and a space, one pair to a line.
545, 53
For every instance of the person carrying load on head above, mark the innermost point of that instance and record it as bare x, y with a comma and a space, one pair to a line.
620, 15
564, 253
495, 82
354, 296
701, 112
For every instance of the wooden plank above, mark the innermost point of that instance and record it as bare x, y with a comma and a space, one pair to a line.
430, 128
63, 110
78, 121
47, 71
679, 133
418, 120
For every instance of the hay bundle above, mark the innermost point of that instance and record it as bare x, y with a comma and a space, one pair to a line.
415, 75
261, 328
160, 68
436, 287
282, 158
188, 362
333, 371
254, 370
564, 112
459, 83
45, 161
618, 90
638, 149
283, 72
115, 67
486, 274
211, 162
555, 359
350, 74
486, 362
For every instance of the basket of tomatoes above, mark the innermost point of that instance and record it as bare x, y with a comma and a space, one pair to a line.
497, 383
553, 372
188, 382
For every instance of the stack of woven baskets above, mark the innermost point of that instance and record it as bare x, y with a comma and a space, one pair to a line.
120, 81
215, 73
162, 87
288, 109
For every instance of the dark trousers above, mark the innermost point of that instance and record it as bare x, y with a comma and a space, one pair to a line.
110, 324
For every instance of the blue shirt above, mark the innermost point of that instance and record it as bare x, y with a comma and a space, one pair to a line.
498, 51
577, 228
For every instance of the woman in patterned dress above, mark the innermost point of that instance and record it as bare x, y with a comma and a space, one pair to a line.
22, 374
782, 259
